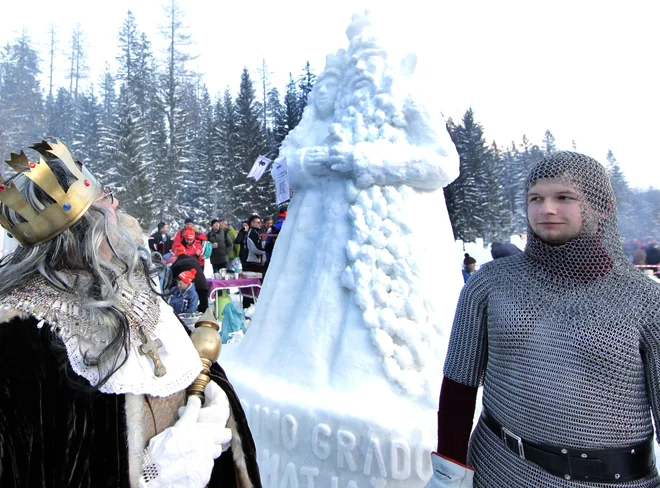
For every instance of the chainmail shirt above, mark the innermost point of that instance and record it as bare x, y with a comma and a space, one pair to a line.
565, 340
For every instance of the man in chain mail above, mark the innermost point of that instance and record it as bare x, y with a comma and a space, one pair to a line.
565, 339
94, 365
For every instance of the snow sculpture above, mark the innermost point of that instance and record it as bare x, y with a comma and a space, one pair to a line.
341, 367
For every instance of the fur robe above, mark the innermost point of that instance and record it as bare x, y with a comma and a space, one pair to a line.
55, 431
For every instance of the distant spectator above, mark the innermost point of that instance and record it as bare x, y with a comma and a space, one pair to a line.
192, 245
184, 298
266, 227
160, 240
189, 224
182, 263
222, 244
500, 250
639, 257
274, 230
252, 241
469, 263
652, 254
233, 234
240, 240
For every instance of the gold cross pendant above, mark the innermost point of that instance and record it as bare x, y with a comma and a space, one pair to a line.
150, 348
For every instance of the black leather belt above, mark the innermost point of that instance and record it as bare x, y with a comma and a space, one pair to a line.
616, 465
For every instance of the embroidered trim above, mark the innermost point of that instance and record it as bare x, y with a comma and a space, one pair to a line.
84, 336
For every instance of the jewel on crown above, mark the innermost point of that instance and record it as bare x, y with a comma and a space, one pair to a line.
68, 206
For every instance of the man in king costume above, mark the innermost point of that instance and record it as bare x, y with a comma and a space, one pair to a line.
94, 365
565, 340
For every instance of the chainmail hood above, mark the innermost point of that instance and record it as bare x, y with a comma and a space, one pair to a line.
597, 250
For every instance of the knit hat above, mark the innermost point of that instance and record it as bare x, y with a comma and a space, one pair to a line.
188, 234
178, 249
161, 225
189, 221
214, 221
187, 276
469, 259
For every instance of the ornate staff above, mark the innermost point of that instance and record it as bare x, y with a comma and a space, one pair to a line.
206, 340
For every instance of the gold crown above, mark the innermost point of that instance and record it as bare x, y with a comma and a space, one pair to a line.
69, 205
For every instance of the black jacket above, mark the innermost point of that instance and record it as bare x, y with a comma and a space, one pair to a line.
225, 245
186, 263
160, 243
240, 240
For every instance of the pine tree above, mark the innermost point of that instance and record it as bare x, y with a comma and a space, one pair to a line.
549, 145
78, 60
466, 196
131, 144
227, 161
128, 45
144, 86
252, 197
178, 141
498, 213
61, 119
206, 202
277, 115
514, 176
622, 193
106, 168
292, 111
305, 85
86, 129
195, 163
21, 105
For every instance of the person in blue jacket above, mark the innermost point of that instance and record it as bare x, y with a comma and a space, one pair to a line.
184, 298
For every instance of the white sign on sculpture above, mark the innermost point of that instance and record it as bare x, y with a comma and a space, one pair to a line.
281, 177
340, 371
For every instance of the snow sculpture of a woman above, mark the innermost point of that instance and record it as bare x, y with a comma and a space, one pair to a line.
352, 283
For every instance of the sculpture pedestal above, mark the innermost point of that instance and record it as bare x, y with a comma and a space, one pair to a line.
331, 439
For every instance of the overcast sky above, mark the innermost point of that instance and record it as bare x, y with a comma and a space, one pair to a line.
586, 70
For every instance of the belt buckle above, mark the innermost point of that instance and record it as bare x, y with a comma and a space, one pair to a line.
507, 433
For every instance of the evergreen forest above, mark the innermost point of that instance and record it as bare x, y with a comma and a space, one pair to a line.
171, 150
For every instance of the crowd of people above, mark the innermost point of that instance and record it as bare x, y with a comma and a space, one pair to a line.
645, 255
186, 252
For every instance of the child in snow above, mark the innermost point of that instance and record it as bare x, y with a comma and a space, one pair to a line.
184, 298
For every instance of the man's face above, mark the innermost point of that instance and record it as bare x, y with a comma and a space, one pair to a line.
256, 224
216, 226
165, 229
268, 223
188, 225
223, 224
554, 211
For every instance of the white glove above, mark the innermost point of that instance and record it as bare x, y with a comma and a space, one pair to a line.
449, 474
183, 455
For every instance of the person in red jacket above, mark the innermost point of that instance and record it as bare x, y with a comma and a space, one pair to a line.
188, 224
192, 245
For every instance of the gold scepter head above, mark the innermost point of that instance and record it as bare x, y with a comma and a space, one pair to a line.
206, 340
